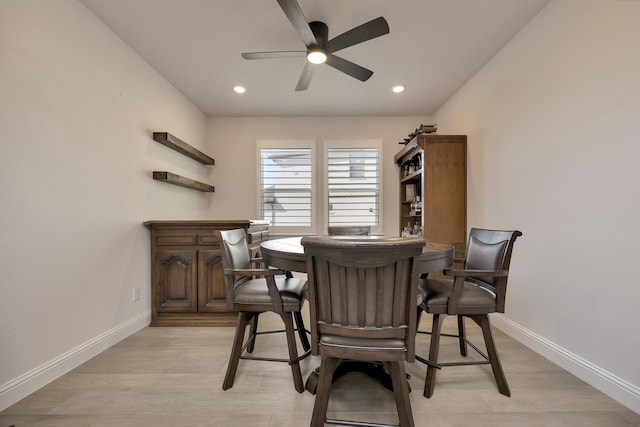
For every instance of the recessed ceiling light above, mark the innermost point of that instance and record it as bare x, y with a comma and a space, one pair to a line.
398, 89
239, 89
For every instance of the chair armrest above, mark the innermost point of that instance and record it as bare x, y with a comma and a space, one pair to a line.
254, 271
269, 274
476, 273
458, 284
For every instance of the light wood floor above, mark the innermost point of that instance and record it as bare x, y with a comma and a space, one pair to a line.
172, 377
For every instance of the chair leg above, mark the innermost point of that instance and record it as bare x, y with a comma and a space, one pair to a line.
328, 366
462, 335
496, 366
287, 318
401, 392
302, 332
418, 318
243, 319
430, 380
253, 333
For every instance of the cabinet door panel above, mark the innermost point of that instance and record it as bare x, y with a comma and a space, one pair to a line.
176, 289
211, 292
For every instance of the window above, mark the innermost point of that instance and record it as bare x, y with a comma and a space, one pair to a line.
353, 186
347, 174
286, 185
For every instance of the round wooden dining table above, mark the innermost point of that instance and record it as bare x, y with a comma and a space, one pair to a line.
288, 254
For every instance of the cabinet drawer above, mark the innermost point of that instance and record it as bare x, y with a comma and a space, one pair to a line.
255, 237
177, 239
208, 239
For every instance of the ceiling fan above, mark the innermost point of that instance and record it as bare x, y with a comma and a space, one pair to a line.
319, 49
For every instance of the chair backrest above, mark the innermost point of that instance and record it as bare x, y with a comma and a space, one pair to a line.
235, 255
491, 250
363, 288
348, 230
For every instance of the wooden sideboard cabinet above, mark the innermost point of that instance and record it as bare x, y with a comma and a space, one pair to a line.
433, 188
187, 279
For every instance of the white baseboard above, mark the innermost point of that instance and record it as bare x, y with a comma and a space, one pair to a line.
611, 385
25, 384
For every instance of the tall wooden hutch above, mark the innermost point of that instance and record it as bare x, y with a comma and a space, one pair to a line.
433, 188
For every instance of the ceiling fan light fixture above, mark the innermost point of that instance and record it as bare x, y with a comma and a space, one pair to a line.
319, 49
316, 56
398, 89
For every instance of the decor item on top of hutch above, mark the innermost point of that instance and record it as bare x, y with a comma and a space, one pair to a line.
182, 147
187, 277
430, 128
433, 188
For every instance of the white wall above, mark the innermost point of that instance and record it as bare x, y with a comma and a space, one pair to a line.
77, 108
233, 142
554, 127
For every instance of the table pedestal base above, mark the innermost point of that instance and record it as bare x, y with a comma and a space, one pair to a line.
373, 369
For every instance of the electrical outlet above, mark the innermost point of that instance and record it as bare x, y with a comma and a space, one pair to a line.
136, 294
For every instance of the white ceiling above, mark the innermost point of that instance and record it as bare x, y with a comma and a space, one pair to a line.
433, 48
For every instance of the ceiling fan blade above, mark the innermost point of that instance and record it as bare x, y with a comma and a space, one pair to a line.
305, 77
367, 31
275, 54
348, 67
292, 9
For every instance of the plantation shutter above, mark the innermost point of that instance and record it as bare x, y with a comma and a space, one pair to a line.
353, 181
286, 184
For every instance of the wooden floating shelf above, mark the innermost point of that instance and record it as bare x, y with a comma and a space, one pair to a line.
172, 178
165, 138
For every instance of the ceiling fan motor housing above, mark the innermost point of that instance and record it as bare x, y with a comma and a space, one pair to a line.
320, 30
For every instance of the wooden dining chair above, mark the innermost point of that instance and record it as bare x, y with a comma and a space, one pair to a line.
362, 305
476, 290
349, 230
251, 291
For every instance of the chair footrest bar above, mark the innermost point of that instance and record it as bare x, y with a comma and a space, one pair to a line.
480, 352
357, 423
428, 362
479, 362
299, 358
278, 331
469, 343
265, 359
252, 338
